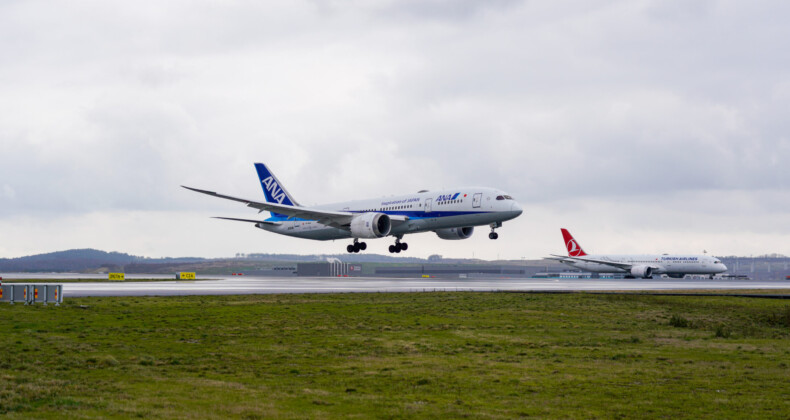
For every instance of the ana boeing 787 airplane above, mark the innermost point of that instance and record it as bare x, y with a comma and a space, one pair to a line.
451, 214
673, 265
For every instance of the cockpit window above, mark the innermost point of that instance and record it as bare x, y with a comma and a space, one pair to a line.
507, 197
500, 197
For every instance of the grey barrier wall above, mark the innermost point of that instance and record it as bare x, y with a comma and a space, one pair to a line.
6, 292
39, 293
55, 293
32, 293
19, 293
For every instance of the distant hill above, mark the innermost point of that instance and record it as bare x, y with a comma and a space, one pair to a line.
93, 260
76, 260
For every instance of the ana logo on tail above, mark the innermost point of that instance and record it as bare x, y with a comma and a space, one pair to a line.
272, 188
270, 185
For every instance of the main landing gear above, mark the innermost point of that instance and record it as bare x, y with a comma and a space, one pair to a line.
493, 234
357, 246
398, 247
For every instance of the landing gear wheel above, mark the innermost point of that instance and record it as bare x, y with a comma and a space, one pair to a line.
357, 246
493, 234
399, 246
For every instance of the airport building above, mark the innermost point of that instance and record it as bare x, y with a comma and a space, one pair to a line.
328, 269
452, 271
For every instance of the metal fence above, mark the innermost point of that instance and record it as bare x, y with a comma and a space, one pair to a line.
29, 294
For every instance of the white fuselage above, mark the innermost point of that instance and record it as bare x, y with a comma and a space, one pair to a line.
671, 264
426, 211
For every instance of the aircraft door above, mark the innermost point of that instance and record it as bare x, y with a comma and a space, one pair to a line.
428, 202
476, 200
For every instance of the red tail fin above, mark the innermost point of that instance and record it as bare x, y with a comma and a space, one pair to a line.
574, 249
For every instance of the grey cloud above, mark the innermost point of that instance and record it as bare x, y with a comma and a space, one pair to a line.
444, 10
109, 107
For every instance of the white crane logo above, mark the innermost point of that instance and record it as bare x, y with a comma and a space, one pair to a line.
573, 248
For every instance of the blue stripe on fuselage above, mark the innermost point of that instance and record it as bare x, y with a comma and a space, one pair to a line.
412, 215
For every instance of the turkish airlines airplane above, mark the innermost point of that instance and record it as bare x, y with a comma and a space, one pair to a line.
676, 266
451, 214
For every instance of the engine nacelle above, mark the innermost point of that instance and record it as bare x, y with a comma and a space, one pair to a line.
371, 225
454, 234
642, 271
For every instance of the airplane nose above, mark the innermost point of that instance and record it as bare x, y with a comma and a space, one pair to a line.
515, 207
723, 268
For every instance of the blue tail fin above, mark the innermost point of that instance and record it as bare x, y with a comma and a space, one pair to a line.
273, 189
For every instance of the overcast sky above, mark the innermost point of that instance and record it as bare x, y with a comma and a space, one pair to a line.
641, 126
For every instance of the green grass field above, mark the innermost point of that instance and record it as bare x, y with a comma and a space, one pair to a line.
435, 355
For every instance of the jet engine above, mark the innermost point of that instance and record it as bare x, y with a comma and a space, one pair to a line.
642, 271
371, 225
454, 234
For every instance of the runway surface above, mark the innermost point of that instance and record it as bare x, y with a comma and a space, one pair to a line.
271, 285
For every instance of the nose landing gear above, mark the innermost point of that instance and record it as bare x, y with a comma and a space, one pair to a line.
398, 247
357, 246
493, 234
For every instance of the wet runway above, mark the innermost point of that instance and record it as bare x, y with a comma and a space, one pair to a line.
271, 285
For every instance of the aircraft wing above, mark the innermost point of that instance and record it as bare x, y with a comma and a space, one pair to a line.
337, 219
624, 266
397, 219
265, 222
556, 258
